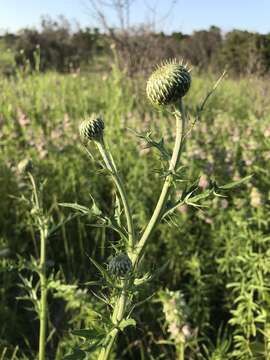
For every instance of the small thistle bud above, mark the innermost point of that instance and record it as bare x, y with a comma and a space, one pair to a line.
25, 166
120, 265
168, 83
92, 128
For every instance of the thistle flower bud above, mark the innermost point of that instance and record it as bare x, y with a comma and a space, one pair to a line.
25, 166
120, 265
92, 128
168, 83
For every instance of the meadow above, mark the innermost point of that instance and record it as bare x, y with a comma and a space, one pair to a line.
215, 258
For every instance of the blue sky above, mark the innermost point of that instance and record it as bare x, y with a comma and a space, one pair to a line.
186, 16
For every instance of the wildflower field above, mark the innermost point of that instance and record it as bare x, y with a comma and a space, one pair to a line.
207, 266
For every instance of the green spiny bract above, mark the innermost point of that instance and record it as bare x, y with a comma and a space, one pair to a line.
168, 83
120, 265
92, 128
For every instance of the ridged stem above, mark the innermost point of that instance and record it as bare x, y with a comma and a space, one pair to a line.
117, 317
43, 300
181, 351
43, 230
178, 146
107, 158
120, 306
119, 309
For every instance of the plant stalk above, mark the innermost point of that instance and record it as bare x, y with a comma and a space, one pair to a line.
178, 147
181, 351
117, 317
43, 230
107, 158
136, 254
43, 300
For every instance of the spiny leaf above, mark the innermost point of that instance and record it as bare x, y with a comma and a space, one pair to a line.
171, 208
149, 277
235, 183
101, 269
105, 274
83, 209
189, 190
125, 323
159, 145
95, 209
142, 280
203, 195
77, 355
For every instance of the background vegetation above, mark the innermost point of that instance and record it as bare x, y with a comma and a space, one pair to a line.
65, 49
217, 257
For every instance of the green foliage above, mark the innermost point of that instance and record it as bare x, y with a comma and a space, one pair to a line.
61, 47
216, 255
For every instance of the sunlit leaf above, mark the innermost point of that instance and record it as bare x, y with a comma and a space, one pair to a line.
83, 209
235, 183
125, 323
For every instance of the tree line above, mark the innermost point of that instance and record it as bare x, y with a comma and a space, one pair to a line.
61, 48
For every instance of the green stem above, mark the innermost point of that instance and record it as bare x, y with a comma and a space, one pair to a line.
120, 306
120, 187
119, 309
181, 351
178, 146
106, 351
43, 300
117, 317
42, 275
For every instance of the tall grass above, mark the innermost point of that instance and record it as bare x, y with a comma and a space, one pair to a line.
223, 264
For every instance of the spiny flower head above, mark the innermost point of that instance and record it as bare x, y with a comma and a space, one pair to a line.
168, 83
92, 128
120, 265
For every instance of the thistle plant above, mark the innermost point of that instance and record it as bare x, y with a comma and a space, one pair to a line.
166, 88
43, 226
120, 265
169, 83
25, 168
